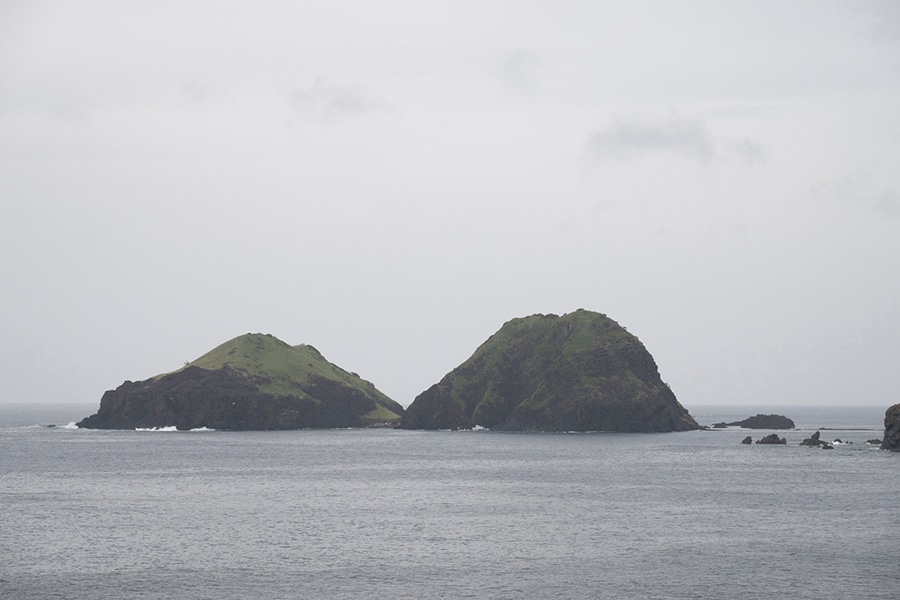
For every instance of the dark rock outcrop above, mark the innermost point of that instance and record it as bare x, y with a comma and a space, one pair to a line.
874, 442
747, 440
764, 422
772, 438
814, 440
892, 429
578, 372
251, 382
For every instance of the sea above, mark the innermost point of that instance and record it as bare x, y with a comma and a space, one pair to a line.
382, 513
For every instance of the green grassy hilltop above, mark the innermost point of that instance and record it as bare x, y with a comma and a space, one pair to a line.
284, 370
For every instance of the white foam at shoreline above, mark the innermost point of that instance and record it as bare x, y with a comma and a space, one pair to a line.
171, 428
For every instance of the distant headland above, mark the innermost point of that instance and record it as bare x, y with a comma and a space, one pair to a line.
760, 422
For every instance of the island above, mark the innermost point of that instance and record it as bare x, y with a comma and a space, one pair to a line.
252, 382
581, 371
760, 422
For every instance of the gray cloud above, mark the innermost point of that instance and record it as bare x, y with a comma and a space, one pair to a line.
198, 91
633, 138
887, 204
744, 111
97, 134
884, 19
858, 191
333, 100
518, 71
835, 189
747, 151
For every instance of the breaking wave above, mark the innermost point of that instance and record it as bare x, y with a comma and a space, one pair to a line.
172, 428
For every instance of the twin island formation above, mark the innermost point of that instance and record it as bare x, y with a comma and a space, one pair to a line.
581, 371
578, 372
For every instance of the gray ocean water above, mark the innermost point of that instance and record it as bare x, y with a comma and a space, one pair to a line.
398, 514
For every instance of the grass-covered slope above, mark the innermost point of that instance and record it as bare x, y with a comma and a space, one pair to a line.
578, 372
253, 381
284, 370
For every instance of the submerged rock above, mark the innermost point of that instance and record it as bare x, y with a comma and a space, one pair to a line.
892, 429
254, 381
772, 438
578, 372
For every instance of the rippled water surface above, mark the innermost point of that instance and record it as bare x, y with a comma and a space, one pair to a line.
397, 514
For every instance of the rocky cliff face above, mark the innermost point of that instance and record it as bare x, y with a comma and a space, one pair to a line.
251, 382
578, 372
891, 439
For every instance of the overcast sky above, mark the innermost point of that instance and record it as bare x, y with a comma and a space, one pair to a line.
392, 181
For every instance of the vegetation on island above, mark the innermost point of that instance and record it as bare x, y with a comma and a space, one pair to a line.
254, 381
578, 372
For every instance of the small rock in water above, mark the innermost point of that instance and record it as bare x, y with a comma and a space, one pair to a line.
772, 438
874, 441
813, 440
747, 440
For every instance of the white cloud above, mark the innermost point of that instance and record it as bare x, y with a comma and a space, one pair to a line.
884, 19
629, 139
859, 192
334, 101
887, 204
747, 151
200, 91
639, 137
518, 71
142, 138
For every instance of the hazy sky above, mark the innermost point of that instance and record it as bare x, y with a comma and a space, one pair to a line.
392, 181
